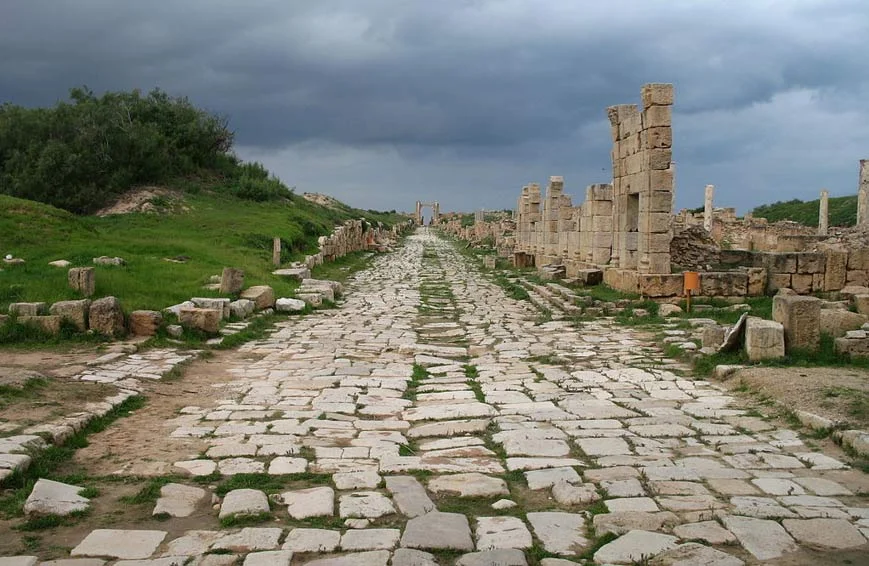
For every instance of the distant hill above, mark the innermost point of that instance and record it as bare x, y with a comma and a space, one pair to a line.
843, 211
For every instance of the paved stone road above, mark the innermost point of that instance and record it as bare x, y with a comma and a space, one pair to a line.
452, 434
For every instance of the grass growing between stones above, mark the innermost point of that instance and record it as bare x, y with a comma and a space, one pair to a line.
269, 484
47, 463
245, 520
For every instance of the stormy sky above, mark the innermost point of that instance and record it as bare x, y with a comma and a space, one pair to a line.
383, 102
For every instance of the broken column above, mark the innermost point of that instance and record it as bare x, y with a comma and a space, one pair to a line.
823, 213
707, 207
801, 318
863, 195
83, 280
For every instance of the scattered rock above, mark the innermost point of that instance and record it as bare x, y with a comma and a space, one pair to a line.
54, 498
244, 502
438, 531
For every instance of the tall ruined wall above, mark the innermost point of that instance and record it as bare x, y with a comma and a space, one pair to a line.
643, 181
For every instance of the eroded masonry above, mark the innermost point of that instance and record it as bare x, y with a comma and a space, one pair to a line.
626, 231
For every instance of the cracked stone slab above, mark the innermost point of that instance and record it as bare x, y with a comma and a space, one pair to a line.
244, 502
502, 532
499, 557
409, 495
311, 502
633, 547
312, 540
55, 498
560, 533
123, 544
438, 531
763, 538
178, 500
364, 505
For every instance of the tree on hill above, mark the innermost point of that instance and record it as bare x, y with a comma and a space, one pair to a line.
79, 155
842, 211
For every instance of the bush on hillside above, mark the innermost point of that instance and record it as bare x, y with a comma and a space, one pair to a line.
842, 211
79, 155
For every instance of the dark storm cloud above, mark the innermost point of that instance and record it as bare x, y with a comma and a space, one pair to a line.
467, 100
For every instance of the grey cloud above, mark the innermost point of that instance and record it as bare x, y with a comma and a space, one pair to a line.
495, 92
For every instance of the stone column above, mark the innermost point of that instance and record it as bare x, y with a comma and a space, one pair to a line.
823, 213
276, 251
418, 212
707, 207
863, 195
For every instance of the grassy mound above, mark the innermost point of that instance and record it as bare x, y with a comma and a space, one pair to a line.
217, 230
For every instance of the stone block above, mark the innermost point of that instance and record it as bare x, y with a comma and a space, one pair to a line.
297, 273
74, 311
861, 302
106, 316
658, 201
82, 280
782, 262
713, 335
49, 324
764, 339
811, 262
778, 281
835, 270
660, 285
206, 320
27, 309
262, 295
723, 284
858, 260
659, 159
658, 116
242, 308
218, 304
657, 94
853, 346
801, 318
660, 137
231, 281
837, 322
290, 305
757, 281
656, 222
145, 323
802, 283
856, 277
590, 276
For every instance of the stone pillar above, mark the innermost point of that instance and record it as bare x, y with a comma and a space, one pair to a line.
418, 213
276, 251
823, 213
863, 195
707, 208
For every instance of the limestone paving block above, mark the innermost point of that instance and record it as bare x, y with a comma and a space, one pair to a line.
558, 532
244, 502
633, 547
370, 539
312, 540
54, 498
825, 533
498, 557
502, 532
763, 538
693, 554
409, 495
18, 560
470, 485
178, 500
311, 502
438, 531
411, 557
364, 505
370, 558
123, 544
250, 539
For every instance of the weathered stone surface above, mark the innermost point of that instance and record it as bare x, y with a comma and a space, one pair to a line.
561, 533
411, 557
693, 554
263, 296
268, 558
177, 500
250, 539
370, 539
312, 540
502, 532
764, 539
231, 281
469, 485
244, 502
242, 308
82, 280
311, 502
438, 531
289, 305
371, 558
356, 480
409, 495
206, 320
49, 324
633, 547
125, 544
836, 322
824, 533
801, 318
764, 339
106, 316
707, 531
75, 312
623, 522
365, 505
54, 498
500, 557
220, 304
145, 323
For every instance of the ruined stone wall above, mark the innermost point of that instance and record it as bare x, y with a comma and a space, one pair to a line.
354, 236
643, 181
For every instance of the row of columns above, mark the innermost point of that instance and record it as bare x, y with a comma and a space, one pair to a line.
823, 207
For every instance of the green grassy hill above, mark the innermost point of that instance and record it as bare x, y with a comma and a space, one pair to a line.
216, 230
843, 211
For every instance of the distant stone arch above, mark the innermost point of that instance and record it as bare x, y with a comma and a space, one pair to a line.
435, 211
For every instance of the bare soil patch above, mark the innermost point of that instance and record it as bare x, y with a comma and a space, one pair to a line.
840, 394
43, 399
